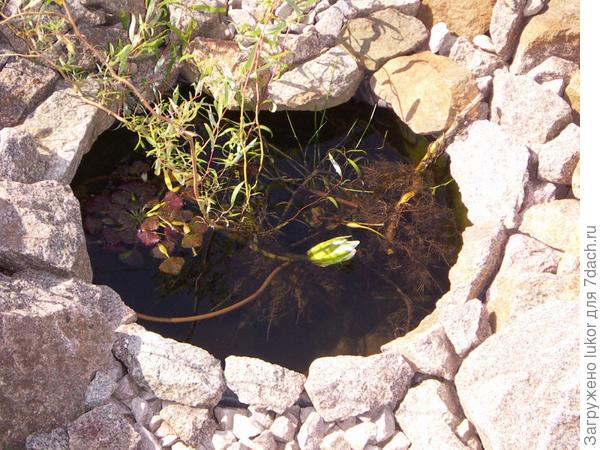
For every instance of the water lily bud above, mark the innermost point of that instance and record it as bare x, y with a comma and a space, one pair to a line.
332, 251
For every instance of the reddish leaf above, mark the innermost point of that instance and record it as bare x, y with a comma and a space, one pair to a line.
148, 238
173, 201
171, 233
150, 224
172, 265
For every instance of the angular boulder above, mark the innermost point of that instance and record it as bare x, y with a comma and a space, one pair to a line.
50, 346
344, 386
23, 85
479, 62
194, 425
552, 223
105, 427
463, 17
172, 370
326, 81
528, 373
554, 32
516, 106
64, 128
425, 90
40, 228
383, 35
558, 158
19, 159
491, 168
263, 385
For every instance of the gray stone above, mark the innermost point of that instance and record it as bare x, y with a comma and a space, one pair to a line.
532, 7
19, 159
466, 325
261, 384
65, 128
385, 424
329, 24
99, 391
491, 168
221, 440
359, 435
205, 15
264, 441
300, 48
40, 228
48, 337
171, 370
479, 258
428, 349
537, 192
398, 442
284, 427
116, 7
557, 86
552, 69
479, 62
383, 35
144, 410
102, 298
365, 7
484, 86
57, 439
23, 85
558, 158
429, 414
335, 441
311, 432
554, 223
484, 42
516, 106
126, 390
468, 435
195, 426
103, 428
244, 427
505, 382
225, 416
344, 386
506, 26
148, 440
440, 39
324, 82
575, 182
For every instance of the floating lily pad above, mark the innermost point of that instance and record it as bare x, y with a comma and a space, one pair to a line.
172, 265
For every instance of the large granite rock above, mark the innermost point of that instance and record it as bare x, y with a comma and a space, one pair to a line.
552, 223
527, 278
194, 425
425, 90
364, 7
326, 81
40, 228
383, 35
466, 325
23, 85
479, 258
528, 373
103, 428
463, 17
50, 345
344, 386
558, 158
263, 385
506, 25
172, 370
19, 159
491, 168
428, 349
479, 62
429, 415
555, 32
65, 128
516, 106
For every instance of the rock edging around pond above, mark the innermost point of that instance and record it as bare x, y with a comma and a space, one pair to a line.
465, 378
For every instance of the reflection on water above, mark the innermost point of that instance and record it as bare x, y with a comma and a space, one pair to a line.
307, 311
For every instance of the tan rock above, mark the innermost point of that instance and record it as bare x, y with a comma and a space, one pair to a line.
555, 32
463, 17
575, 182
383, 35
552, 223
572, 93
425, 90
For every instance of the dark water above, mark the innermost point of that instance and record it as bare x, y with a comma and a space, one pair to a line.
307, 311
